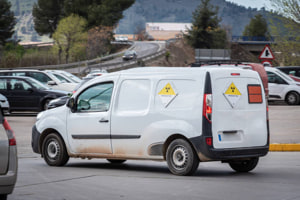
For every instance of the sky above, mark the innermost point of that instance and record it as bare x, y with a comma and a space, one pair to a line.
253, 3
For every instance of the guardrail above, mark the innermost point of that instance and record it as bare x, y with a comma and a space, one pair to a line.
81, 63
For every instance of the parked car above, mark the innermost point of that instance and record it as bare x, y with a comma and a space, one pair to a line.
292, 71
129, 55
96, 72
282, 87
8, 158
63, 100
179, 115
65, 76
27, 94
121, 38
4, 104
43, 76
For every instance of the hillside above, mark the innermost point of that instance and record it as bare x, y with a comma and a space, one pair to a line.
233, 16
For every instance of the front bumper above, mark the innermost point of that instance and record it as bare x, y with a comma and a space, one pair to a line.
35, 140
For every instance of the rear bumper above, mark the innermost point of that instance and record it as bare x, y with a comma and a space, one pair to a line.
35, 140
206, 152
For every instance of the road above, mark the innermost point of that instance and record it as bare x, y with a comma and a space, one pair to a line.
276, 177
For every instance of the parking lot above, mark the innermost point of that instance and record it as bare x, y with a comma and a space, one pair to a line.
97, 179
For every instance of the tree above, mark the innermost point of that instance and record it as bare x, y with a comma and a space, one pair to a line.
206, 31
47, 13
70, 33
288, 13
7, 21
257, 27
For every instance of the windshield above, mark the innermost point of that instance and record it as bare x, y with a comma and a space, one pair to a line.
37, 84
285, 76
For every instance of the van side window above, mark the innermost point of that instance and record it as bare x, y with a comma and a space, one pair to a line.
134, 96
95, 98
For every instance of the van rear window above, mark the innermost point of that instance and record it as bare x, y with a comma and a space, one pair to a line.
254, 94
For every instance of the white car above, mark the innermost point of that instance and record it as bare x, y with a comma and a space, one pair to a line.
44, 76
282, 87
4, 103
64, 76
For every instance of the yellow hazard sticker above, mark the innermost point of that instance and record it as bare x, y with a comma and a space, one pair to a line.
167, 90
232, 94
232, 90
167, 94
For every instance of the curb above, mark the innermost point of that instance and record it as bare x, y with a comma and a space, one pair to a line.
284, 147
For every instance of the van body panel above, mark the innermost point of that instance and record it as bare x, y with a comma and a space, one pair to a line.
148, 106
239, 125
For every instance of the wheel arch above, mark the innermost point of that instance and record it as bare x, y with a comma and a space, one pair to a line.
44, 135
172, 138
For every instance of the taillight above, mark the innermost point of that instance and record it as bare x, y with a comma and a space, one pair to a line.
235, 74
208, 141
207, 106
10, 133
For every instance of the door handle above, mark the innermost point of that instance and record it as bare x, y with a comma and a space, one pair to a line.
103, 120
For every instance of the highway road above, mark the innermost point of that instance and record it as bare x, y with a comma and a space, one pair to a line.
276, 177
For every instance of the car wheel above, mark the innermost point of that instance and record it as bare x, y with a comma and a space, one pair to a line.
244, 165
3, 196
181, 158
54, 150
292, 98
45, 104
113, 161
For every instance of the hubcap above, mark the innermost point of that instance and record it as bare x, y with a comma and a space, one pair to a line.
180, 157
291, 98
53, 149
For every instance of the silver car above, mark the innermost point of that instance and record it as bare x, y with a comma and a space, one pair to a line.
8, 158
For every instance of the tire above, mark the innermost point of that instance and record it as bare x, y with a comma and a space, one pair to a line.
292, 98
45, 104
181, 158
244, 165
54, 150
113, 161
3, 196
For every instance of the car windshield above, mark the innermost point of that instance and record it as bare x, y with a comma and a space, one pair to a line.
37, 84
285, 76
129, 53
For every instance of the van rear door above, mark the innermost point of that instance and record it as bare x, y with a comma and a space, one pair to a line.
4, 150
239, 116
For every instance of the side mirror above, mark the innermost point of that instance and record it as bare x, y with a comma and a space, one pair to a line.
71, 104
51, 83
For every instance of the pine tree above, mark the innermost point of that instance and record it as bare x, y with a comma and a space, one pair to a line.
257, 27
206, 31
7, 21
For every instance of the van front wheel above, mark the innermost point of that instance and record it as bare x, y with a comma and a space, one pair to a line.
54, 150
244, 165
181, 158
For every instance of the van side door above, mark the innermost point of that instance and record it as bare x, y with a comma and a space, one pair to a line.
88, 126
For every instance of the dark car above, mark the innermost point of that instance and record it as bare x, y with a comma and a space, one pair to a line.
292, 71
8, 158
27, 94
129, 55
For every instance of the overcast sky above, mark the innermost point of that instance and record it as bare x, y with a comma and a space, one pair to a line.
253, 3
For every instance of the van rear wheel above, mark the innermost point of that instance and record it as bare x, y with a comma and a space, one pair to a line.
244, 165
54, 150
181, 158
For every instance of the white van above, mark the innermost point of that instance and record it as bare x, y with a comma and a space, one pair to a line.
181, 115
